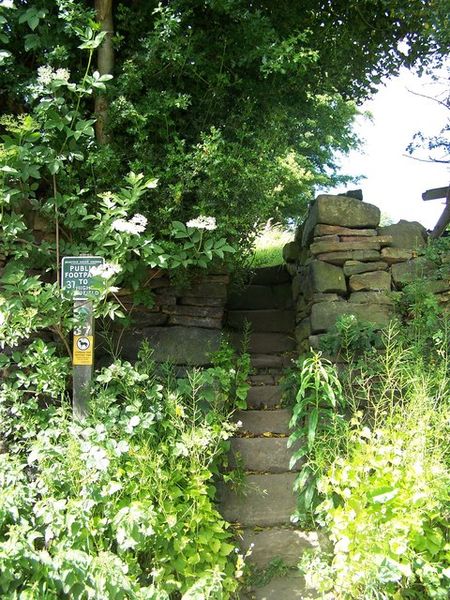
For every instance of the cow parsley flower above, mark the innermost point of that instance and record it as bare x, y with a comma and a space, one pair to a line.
135, 225
202, 222
46, 75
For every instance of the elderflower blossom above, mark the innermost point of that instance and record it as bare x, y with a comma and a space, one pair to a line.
202, 222
46, 75
105, 271
135, 225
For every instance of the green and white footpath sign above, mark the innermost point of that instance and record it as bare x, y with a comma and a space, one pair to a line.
77, 278
76, 275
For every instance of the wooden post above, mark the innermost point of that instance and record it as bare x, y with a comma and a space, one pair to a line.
83, 357
444, 219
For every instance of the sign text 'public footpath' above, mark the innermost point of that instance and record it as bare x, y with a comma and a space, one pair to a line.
76, 275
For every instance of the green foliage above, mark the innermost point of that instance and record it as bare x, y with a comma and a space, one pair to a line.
350, 338
120, 505
386, 505
318, 428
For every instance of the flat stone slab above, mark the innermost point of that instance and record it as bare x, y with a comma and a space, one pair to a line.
373, 281
339, 210
265, 500
258, 422
271, 320
178, 345
326, 277
277, 542
265, 343
269, 361
354, 267
262, 454
324, 314
416, 268
339, 258
267, 395
260, 297
289, 587
321, 230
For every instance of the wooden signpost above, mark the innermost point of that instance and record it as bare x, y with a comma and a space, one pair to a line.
76, 277
444, 219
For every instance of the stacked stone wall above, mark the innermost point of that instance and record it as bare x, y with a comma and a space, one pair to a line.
343, 262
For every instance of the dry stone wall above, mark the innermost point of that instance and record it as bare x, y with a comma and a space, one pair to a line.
343, 262
184, 324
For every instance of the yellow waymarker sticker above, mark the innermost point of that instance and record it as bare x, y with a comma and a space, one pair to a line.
83, 350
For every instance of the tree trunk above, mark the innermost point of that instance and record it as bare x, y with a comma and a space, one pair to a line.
105, 65
444, 219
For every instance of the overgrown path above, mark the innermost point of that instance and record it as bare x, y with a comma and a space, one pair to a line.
262, 507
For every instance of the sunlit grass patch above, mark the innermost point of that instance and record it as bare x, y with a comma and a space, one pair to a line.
269, 245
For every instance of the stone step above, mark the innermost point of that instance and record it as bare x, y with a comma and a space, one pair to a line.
288, 587
270, 361
268, 396
261, 296
271, 275
265, 343
262, 379
258, 422
269, 320
265, 500
277, 543
263, 454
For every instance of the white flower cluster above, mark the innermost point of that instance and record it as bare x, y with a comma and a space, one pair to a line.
202, 222
135, 225
46, 75
105, 271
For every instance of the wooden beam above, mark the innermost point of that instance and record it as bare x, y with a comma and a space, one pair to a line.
435, 193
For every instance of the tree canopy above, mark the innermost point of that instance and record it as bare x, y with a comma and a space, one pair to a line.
237, 107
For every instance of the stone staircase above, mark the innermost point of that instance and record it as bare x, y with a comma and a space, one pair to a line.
261, 510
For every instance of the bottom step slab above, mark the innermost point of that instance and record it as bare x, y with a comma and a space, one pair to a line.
277, 543
290, 587
269, 500
258, 422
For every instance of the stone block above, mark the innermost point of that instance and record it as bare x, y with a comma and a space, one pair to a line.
375, 280
201, 301
269, 361
370, 298
395, 255
326, 277
298, 284
303, 330
417, 268
208, 290
342, 211
339, 258
291, 586
258, 422
291, 252
353, 267
194, 311
178, 345
363, 244
259, 297
262, 454
327, 238
406, 234
319, 297
187, 321
268, 500
321, 230
267, 396
324, 314
265, 343
270, 320
277, 542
